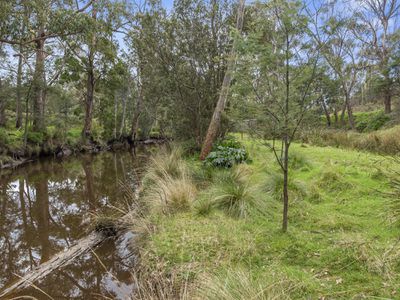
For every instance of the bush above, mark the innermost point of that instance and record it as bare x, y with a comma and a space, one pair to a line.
4, 138
229, 142
226, 157
35, 137
366, 122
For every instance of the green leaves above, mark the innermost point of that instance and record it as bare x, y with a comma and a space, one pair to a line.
226, 157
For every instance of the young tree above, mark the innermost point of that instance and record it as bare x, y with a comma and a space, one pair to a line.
276, 70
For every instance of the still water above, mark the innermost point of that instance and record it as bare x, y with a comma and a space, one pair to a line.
45, 207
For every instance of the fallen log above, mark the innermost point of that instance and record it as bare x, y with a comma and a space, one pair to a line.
59, 260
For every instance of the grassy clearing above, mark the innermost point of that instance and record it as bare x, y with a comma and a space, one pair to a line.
340, 243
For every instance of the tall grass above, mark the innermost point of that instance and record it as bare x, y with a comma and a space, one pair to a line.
274, 183
168, 184
233, 193
385, 141
238, 285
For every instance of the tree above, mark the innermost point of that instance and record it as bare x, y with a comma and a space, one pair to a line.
333, 33
46, 19
376, 31
215, 122
276, 70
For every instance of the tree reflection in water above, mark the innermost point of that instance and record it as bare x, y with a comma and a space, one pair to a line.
45, 207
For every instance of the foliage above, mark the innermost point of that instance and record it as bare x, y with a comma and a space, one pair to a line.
36, 138
226, 157
366, 122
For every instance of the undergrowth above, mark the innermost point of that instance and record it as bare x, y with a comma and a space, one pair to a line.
226, 242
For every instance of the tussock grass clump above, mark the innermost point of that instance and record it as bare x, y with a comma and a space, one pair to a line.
333, 180
158, 284
298, 161
274, 184
232, 193
239, 285
168, 184
166, 163
171, 195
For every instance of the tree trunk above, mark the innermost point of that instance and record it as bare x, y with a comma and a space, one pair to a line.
350, 112
388, 101
18, 104
342, 115
136, 114
3, 98
122, 126
39, 85
285, 186
335, 114
90, 86
87, 128
215, 122
327, 115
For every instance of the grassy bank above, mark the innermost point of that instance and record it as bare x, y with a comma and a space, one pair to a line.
384, 141
341, 241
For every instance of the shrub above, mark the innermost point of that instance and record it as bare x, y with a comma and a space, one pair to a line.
4, 138
226, 157
229, 142
35, 137
371, 121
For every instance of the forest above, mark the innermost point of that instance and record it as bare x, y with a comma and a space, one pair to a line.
200, 149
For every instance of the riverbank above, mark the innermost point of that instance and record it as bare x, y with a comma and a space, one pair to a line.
342, 240
14, 152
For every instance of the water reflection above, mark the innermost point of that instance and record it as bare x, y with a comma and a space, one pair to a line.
45, 207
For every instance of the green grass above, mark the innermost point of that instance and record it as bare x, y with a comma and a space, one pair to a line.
338, 246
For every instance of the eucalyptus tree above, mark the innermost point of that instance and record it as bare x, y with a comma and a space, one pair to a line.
275, 78
43, 20
377, 29
93, 52
179, 59
198, 54
215, 122
333, 33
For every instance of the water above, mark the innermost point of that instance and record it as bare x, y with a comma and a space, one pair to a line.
46, 206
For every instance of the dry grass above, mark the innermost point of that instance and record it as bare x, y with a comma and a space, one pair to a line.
238, 285
168, 184
385, 141
157, 284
